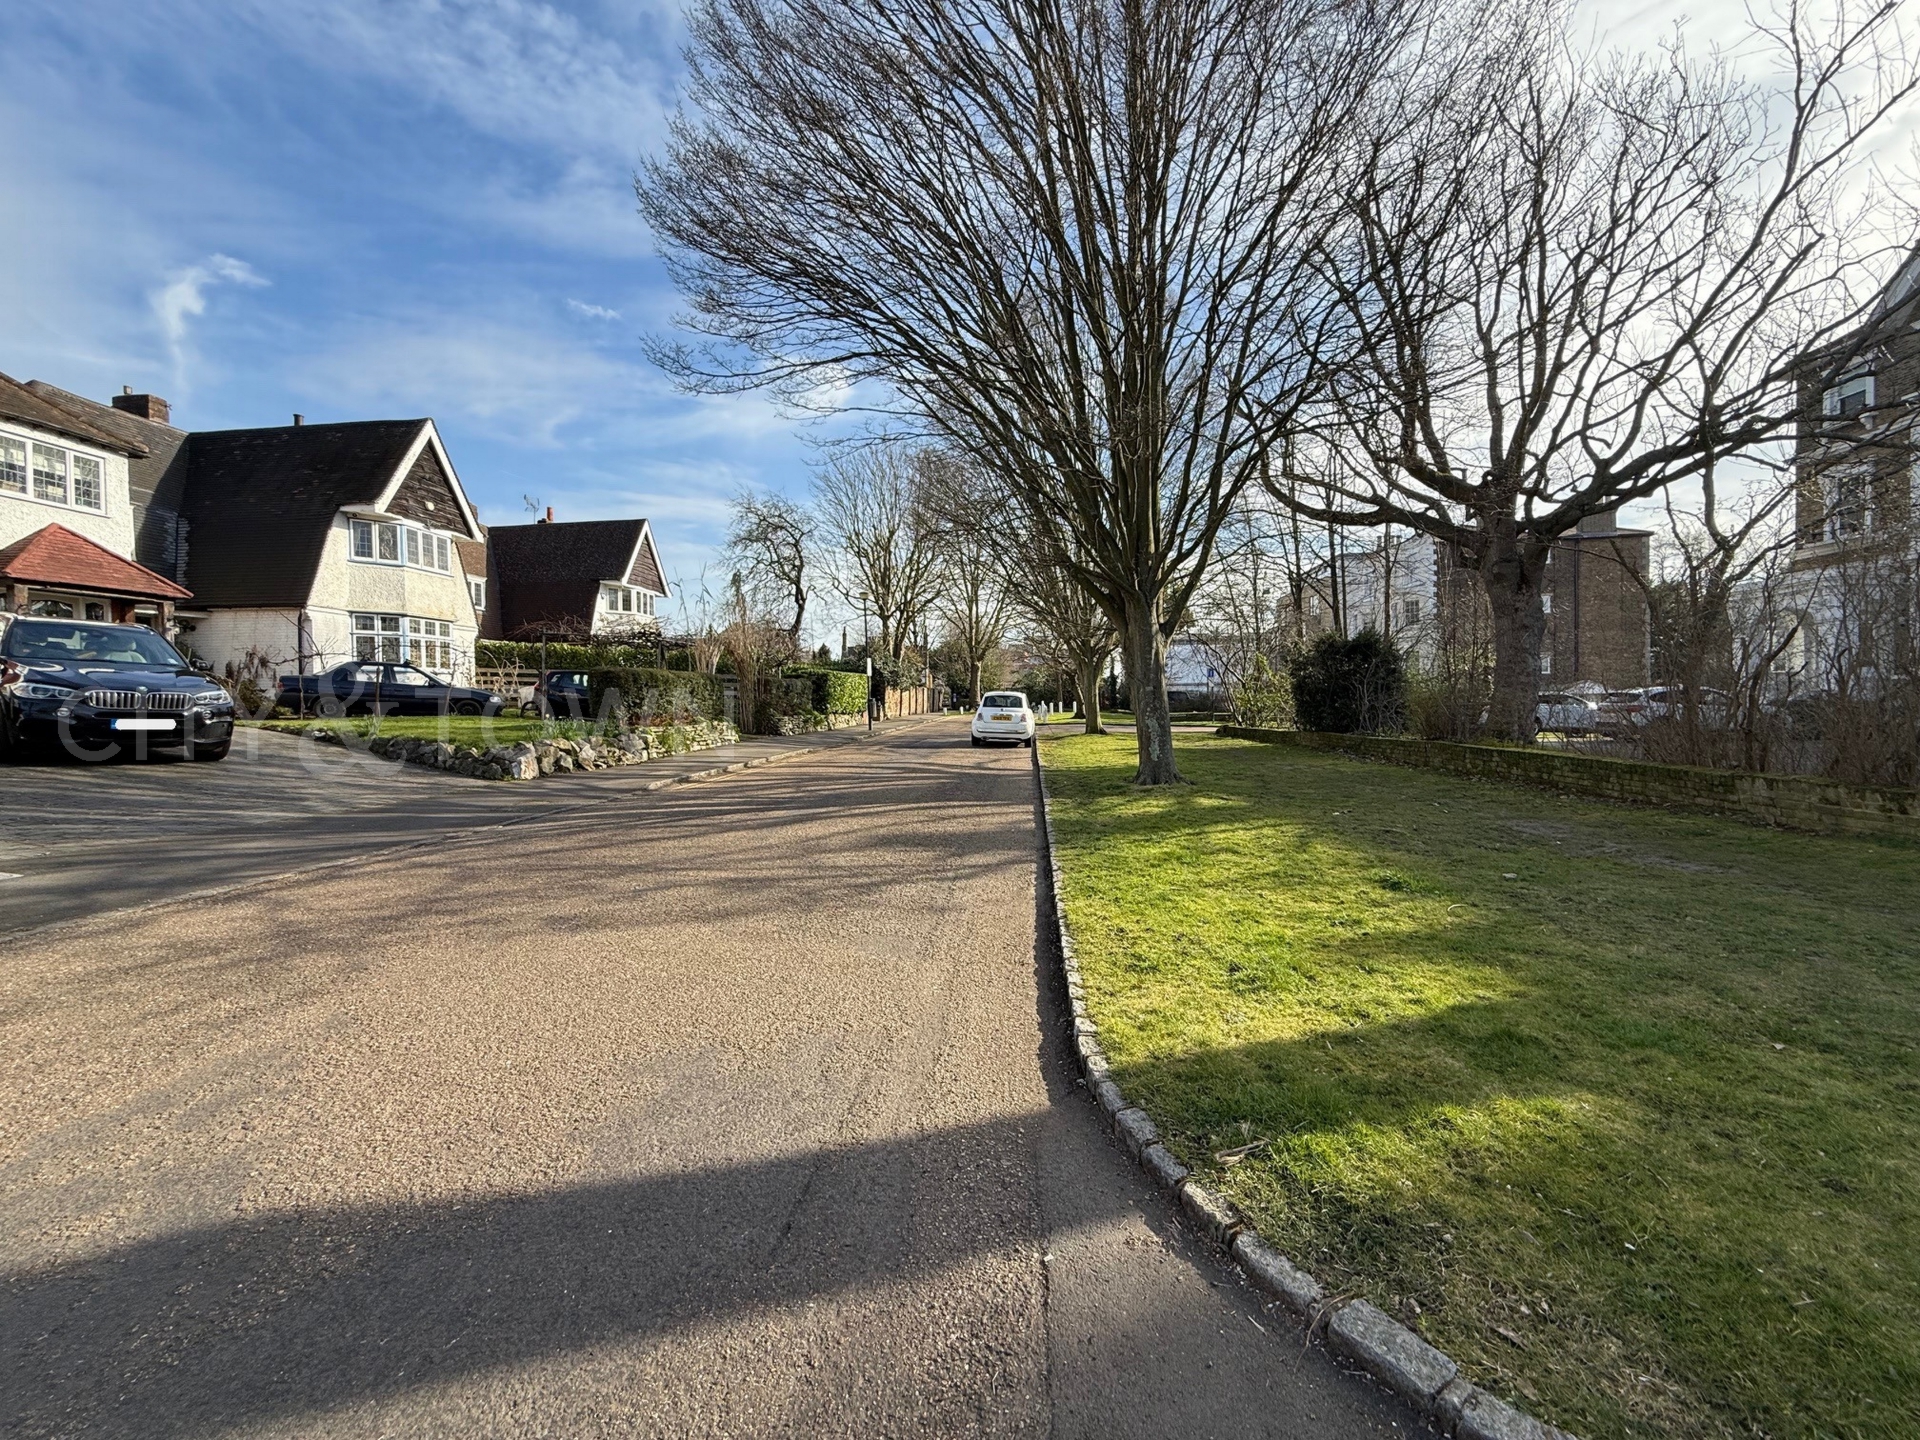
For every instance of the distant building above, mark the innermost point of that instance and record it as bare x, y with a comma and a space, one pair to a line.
1415, 592
574, 579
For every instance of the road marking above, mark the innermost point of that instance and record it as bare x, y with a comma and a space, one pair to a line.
10, 875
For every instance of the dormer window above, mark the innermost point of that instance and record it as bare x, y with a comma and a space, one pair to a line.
1853, 395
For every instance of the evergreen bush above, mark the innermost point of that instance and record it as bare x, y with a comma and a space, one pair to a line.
1350, 685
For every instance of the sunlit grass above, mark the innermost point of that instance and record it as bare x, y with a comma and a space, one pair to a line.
1619, 1107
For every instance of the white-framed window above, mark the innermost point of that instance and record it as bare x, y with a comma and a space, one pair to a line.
1845, 492
1546, 604
13, 465
383, 542
1852, 395
52, 474
1410, 611
477, 590
1546, 664
409, 639
430, 644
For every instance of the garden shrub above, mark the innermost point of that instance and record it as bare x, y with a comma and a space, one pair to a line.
835, 692
647, 695
1350, 685
561, 655
1263, 697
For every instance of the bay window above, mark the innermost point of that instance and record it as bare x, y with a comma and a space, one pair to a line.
13, 465
384, 542
404, 638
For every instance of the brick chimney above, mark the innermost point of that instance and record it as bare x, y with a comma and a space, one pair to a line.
147, 407
549, 517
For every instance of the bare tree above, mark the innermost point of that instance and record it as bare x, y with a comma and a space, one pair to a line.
872, 507
1577, 281
976, 578
1072, 237
771, 537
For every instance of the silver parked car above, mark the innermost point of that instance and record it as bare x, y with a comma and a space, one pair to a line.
1566, 714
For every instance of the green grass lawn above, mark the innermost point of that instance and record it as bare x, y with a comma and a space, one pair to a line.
475, 730
1619, 1107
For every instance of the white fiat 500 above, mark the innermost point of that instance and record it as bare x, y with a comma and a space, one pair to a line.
1004, 715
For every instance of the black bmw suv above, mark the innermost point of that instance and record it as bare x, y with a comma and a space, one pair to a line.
98, 691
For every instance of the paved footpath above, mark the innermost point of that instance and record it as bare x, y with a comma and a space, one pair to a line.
738, 1108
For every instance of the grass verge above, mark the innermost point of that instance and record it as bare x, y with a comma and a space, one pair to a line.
1620, 1108
477, 730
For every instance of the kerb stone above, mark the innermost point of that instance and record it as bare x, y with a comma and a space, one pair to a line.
1277, 1275
1390, 1352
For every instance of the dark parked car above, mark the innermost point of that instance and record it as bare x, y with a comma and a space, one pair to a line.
366, 687
561, 694
101, 690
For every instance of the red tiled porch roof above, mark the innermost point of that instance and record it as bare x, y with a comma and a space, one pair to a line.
55, 555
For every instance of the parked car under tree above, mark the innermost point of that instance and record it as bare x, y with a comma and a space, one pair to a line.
101, 691
370, 687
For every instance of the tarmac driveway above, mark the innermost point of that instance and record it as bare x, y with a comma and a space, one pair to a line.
78, 839
734, 1109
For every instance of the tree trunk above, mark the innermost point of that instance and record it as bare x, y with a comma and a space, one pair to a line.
1511, 574
1086, 677
1147, 688
976, 684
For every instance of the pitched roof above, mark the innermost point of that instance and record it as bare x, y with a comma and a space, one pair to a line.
552, 572
19, 403
261, 502
55, 555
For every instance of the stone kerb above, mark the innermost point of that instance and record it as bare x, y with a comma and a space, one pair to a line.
1425, 1377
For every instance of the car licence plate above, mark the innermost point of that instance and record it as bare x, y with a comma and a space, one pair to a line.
1000, 717
143, 724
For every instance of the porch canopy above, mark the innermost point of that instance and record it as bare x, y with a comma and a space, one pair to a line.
57, 572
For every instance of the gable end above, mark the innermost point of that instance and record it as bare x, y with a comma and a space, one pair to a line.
426, 495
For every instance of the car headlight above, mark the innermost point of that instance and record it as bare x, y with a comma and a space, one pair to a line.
210, 697
34, 690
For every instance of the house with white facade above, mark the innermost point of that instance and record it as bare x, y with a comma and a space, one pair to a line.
68, 517
269, 551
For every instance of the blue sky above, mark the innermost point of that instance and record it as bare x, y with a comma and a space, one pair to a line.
367, 208
361, 208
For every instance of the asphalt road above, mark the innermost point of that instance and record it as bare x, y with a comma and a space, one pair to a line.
740, 1108
77, 839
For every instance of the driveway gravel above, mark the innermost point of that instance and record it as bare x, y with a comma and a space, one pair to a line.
739, 1108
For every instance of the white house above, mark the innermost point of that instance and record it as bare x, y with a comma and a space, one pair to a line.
68, 522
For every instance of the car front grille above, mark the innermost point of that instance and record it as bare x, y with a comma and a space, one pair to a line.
137, 700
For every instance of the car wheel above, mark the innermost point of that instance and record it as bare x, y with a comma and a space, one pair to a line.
331, 707
466, 707
1028, 742
216, 751
975, 739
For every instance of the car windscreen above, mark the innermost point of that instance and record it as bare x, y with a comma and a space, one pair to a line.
67, 642
1003, 702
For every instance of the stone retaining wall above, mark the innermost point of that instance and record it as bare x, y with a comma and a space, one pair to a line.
1795, 802
530, 759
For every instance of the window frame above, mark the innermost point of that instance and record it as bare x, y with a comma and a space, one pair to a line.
30, 445
415, 547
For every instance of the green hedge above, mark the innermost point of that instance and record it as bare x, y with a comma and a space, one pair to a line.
653, 696
835, 691
525, 655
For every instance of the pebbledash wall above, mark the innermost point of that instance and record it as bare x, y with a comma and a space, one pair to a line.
1795, 802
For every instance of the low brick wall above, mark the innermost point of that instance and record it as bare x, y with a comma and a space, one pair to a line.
1797, 802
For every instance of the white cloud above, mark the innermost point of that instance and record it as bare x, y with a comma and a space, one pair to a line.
185, 296
592, 312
